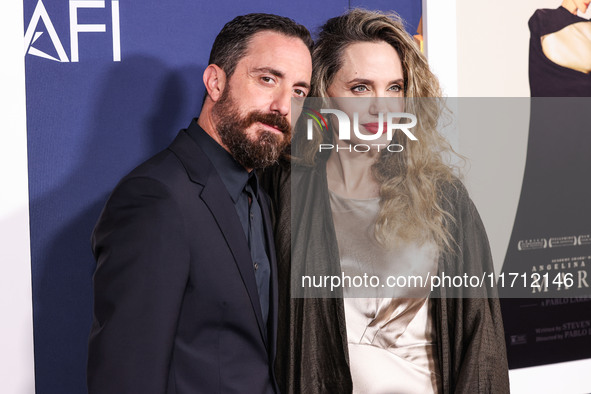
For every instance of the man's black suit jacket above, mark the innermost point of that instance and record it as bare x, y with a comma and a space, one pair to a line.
176, 302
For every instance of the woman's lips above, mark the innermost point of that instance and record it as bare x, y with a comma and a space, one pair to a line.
374, 128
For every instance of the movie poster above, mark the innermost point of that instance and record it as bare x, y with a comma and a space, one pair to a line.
546, 274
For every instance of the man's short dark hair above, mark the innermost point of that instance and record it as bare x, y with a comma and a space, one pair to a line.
231, 43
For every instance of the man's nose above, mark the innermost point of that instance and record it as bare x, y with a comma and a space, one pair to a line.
281, 102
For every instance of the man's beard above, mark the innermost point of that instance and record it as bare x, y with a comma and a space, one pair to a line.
261, 152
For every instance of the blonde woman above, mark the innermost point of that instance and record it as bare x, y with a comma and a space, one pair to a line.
343, 213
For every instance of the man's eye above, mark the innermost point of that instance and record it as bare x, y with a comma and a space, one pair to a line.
300, 93
267, 79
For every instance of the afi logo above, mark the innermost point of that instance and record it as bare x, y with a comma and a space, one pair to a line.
391, 124
40, 14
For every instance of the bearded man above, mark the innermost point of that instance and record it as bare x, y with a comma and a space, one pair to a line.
185, 289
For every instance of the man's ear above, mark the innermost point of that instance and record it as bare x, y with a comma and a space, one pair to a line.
214, 79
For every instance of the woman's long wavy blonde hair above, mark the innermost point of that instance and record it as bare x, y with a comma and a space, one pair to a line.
411, 182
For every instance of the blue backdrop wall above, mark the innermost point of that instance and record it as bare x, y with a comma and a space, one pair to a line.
108, 84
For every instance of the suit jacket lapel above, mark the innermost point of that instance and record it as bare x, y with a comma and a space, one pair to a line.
219, 202
223, 210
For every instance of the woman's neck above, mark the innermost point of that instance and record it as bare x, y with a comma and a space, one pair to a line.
350, 173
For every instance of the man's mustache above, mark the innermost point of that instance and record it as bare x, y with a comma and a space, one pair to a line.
271, 119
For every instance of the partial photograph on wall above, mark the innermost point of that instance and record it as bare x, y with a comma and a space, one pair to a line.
551, 235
